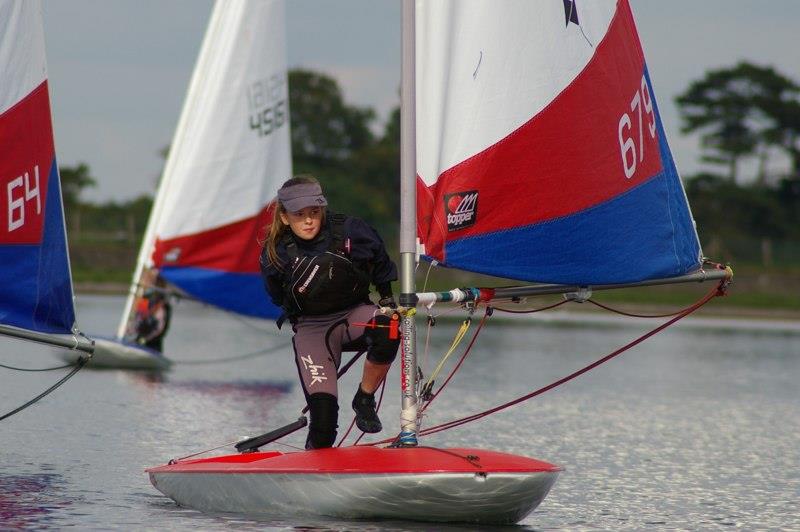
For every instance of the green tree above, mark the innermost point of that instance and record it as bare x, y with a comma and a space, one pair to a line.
785, 112
74, 179
325, 130
736, 110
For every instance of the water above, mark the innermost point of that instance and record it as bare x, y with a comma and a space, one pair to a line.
697, 428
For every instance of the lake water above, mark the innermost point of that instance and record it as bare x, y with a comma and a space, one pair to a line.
697, 428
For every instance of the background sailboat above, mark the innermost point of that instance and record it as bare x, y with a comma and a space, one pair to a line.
537, 154
230, 153
36, 291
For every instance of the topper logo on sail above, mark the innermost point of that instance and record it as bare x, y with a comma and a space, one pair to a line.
461, 209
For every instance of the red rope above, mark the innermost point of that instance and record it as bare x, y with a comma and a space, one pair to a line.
718, 290
531, 311
630, 314
460, 361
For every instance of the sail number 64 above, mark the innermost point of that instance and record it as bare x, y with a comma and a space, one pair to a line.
627, 138
28, 190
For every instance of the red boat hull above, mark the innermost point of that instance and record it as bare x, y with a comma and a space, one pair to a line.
417, 483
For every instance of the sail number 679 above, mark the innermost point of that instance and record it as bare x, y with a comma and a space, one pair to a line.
627, 137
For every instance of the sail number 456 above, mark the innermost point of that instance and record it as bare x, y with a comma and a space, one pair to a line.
21, 190
627, 138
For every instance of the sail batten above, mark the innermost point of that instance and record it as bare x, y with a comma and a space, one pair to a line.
571, 183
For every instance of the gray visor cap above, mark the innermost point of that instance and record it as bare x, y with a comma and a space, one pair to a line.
302, 195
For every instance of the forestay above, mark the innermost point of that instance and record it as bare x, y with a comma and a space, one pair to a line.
36, 287
541, 155
230, 154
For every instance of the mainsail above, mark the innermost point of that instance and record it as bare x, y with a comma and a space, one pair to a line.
36, 288
230, 153
541, 155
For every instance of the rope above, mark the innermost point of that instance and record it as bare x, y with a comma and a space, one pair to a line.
182, 458
14, 368
632, 315
718, 290
69, 375
241, 319
460, 361
531, 311
254, 354
462, 331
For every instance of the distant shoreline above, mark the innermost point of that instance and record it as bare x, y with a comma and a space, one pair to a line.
121, 289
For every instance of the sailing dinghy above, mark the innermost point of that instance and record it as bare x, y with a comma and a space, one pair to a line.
230, 153
539, 155
36, 301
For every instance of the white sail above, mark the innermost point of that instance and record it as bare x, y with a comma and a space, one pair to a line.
230, 153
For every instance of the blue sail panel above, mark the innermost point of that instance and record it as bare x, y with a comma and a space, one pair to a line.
575, 250
36, 292
242, 293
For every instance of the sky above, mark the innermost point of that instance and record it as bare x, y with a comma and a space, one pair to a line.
119, 69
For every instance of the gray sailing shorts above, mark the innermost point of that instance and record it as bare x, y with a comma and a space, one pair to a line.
319, 342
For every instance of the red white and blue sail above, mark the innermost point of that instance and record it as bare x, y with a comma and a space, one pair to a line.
541, 155
230, 153
35, 286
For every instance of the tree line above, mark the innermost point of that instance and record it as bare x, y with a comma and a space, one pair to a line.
743, 113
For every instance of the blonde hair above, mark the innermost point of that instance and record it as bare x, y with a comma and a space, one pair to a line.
277, 228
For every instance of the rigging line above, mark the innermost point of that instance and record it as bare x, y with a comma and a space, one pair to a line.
241, 319
486, 314
531, 311
347, 433
425, 283
445, 313
716, 291
427, 347
295, 447
458, 365
254, 354
462, 331
226, 444
36, 369
82, 362
470, 458
632, 315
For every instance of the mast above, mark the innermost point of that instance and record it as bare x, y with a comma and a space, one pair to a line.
408, 227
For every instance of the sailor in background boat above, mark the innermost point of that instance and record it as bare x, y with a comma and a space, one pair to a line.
318, 266
153, 314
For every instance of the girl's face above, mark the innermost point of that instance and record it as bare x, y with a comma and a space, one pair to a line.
304, 223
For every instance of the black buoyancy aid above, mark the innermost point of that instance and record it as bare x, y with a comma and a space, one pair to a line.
328, 282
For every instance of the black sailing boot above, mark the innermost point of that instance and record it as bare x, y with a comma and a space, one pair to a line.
366, 416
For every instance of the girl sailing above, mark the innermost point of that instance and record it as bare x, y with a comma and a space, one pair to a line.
318, 266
